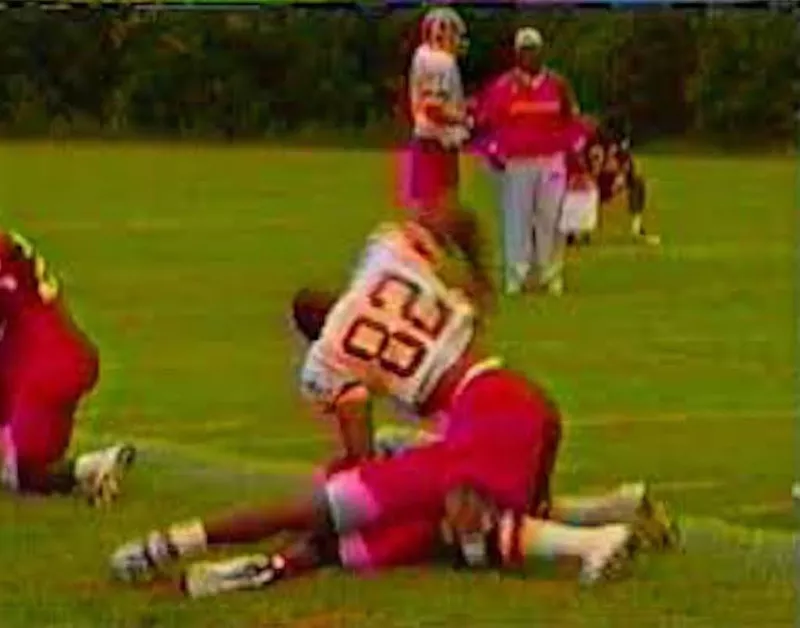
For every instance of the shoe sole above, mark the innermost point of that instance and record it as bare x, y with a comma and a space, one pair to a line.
619, 563
654, 527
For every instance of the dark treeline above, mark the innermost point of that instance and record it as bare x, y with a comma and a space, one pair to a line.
721, 76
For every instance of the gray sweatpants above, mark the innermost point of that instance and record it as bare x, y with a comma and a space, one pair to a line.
532, 192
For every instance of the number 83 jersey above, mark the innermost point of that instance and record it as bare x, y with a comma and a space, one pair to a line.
395, 331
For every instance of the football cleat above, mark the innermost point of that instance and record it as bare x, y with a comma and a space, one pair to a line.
139, 561
205, 579
611, 558
99, 474
653, 525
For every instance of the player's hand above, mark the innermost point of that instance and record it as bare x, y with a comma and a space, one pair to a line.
496, 160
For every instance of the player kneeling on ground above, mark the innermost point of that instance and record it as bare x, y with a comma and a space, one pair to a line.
618, 175
47, 365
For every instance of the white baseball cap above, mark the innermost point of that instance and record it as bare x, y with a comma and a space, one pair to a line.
528, 38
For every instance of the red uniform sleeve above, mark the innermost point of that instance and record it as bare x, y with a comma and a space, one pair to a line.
569, 102
489, 102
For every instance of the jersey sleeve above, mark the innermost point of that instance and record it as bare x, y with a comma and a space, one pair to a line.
325, 386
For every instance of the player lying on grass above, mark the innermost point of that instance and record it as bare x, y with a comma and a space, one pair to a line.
422, 542
400, 332
47, 365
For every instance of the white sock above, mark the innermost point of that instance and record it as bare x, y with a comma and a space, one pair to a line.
548, 539
636, 224
188, 538
85, 464
618, 506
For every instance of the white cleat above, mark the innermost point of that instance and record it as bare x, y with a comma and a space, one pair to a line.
652, 240
612, 556
205, 579
653, 525
139, 561
99, 474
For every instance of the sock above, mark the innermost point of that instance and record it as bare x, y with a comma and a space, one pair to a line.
548, 539
188, 539
85, 463
618, 506
58, 478
636, 225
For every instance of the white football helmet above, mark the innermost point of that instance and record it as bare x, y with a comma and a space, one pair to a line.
443, 28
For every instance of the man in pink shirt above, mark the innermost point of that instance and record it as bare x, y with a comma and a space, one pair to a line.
529, 116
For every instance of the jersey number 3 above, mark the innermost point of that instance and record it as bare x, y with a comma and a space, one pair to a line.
399, 351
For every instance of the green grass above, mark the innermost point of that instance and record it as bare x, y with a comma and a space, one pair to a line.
676, 365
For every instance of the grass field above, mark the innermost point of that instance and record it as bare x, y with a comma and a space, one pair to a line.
673, 364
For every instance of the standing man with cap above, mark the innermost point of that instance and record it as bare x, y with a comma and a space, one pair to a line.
529, 116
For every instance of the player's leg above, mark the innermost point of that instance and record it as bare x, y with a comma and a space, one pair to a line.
300, 557
34, 443
636, 205
374, 549
527, 430
45, 390
434, 178
516, 202
549, 195
630, 504
376, 493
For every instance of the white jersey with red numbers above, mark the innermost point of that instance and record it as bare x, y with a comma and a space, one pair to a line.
395, 331
435, 78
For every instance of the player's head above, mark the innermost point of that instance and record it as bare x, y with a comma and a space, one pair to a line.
443, 29
310, 309
528, 45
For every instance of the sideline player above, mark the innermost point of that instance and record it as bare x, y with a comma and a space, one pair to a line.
529, 115
440, 121
47, 365
398, 331
618, 174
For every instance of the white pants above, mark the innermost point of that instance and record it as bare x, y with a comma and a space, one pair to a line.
579, 211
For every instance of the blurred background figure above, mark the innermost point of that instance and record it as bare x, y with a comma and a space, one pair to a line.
527, 117
618, 176
440, 124
581, 206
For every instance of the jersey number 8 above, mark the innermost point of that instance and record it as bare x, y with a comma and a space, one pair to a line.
397, 351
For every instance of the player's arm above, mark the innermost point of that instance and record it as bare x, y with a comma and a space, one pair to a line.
429, 90
353, 412
570, 108
429, 103
338, 397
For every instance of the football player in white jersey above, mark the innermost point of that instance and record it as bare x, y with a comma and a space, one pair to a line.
440, 120
399, 331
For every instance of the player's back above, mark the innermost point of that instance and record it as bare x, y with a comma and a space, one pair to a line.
396, 330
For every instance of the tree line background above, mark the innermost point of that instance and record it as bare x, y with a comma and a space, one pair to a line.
721, 76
